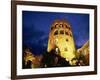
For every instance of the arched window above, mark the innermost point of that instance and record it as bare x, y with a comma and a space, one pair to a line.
56, 25
70, 35
61, 25
66, 33
62, 32
56, 32
69, 28
67, 40
66, 26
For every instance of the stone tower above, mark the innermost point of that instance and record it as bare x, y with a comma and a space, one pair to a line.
61, 39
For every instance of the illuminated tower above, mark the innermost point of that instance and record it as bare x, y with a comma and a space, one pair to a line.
61, 39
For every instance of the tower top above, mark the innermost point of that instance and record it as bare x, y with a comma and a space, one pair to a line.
61, 20
60, 23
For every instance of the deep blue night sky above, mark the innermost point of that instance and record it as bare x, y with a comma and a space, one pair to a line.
36, 27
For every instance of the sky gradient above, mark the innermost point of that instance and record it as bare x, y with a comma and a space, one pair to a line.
36, 28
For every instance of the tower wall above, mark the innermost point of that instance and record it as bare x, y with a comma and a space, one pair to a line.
61, 37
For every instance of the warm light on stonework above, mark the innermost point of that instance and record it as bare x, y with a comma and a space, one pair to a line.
61, 37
